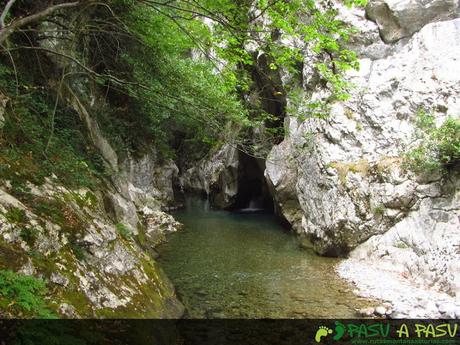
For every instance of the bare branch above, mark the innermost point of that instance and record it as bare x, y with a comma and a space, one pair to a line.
5, 32
80, 64
5, 13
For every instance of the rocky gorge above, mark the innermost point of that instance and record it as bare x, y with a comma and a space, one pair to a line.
340, 183
348, 193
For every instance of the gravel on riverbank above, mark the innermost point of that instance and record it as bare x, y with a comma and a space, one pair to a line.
407, 299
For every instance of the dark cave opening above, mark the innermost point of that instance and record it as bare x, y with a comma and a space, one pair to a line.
253, 193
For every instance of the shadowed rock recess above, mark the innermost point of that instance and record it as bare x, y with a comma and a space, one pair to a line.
340, 184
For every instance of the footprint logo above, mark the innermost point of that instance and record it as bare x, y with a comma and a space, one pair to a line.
322, 331
339, 330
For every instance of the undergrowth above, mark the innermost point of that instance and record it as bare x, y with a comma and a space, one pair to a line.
22, 296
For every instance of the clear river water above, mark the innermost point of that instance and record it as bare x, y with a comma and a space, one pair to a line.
246, 265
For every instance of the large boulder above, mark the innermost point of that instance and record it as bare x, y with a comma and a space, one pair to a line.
350, 184
402, 18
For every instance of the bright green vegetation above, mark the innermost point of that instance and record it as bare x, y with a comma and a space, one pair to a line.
29, 235
22, 296
438, 148
165, 78
379, 210
15, 215
124, 231
189, 81
32, 147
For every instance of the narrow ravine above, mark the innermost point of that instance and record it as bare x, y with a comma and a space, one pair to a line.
245, 265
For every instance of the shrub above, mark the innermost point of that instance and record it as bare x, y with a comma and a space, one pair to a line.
78, 251
29, 235
123, 231
379, 210
438, 148
22, 296
16, 215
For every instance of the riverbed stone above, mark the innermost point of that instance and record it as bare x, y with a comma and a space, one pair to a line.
366, 311
380, 310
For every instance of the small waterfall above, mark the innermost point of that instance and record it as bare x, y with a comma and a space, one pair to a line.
256, 204
207, 204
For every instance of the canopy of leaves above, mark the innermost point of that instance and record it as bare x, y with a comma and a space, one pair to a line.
438, 148
176, 75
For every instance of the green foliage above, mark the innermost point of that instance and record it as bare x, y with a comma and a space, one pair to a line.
22, 296
379, 210
78, 251
29, 235
124, 231
174, 101
297, 20
30, 150
16, 216
88, 200
182, 104
438, 148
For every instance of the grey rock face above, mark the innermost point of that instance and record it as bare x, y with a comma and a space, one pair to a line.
402, 18
217, 176
96, 271
150, 183
346, 172
280, 173
351, 185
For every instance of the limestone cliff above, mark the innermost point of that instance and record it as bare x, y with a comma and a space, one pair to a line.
93, 247
345, 189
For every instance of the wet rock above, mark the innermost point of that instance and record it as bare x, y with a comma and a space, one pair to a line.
158, 225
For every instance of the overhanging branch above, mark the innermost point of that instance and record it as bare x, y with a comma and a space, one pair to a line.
6, 31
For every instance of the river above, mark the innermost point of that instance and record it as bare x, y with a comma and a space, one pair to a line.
246, 265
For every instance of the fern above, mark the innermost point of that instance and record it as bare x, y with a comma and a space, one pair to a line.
22, 296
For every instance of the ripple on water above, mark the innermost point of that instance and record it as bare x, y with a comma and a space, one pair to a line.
240, 265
